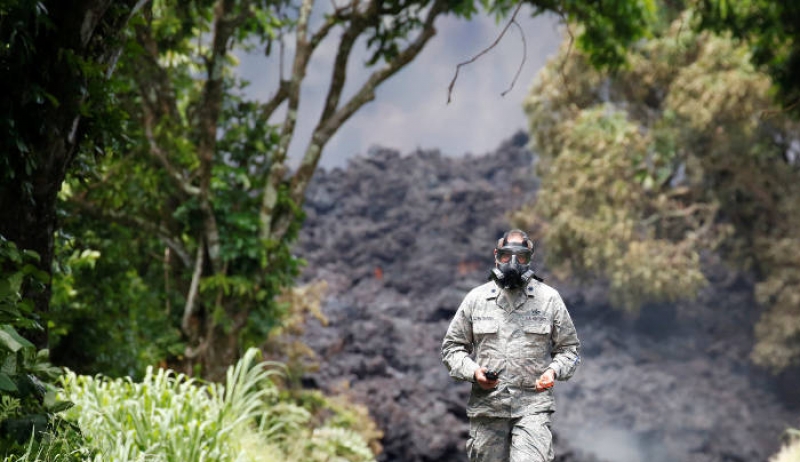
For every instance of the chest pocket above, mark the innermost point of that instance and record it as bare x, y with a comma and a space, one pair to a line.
534, 346
541, 329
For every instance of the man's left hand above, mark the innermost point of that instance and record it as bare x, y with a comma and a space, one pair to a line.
546, 380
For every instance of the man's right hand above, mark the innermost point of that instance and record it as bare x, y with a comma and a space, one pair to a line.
483, 382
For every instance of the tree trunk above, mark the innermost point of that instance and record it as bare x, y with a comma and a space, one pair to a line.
218, 347
30, 221
45, 86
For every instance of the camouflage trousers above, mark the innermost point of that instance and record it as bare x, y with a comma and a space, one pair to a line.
523, 439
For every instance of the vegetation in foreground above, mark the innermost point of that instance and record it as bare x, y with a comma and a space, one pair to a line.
170, 417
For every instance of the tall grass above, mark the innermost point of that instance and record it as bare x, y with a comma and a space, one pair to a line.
169, 417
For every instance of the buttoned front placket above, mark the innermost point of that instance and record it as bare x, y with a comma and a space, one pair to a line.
503, 398
508, 397
513, 302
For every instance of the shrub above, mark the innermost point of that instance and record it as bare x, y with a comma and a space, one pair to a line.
169, 417
28, 405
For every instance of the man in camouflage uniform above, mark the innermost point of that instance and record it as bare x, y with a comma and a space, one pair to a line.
517, 327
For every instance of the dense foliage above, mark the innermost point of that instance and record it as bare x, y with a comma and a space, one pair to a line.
170, 417
202, 205
649, 171
771, 28
607, 27
54, 58
28, 403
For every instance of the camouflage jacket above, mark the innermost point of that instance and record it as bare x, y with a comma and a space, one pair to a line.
518, 333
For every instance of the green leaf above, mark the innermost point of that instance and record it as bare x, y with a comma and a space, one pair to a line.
6, 384
12, 340
6, 289
31, 254
9, 343
60, 406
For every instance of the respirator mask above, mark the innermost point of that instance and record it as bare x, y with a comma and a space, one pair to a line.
513, 265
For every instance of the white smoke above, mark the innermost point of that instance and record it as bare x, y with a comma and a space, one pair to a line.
610, 444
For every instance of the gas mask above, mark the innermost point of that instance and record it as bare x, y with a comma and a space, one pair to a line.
513, 266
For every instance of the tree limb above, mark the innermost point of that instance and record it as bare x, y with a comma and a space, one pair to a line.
136, 222
483, 52
183, 183
563, 65
277, 99
159, 103
153, 81
338, 79
327, 127
284, 86
112, 56
339, 74
189, 309
225, 24
278, 168
524, 57
302, 55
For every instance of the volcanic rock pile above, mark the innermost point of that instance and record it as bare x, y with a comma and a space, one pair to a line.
400, 239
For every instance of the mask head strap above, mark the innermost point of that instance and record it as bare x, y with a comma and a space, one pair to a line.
526, 241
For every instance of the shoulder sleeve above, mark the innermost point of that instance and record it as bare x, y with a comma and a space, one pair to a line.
457, 344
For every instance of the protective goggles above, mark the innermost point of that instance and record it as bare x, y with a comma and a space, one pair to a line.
522, 254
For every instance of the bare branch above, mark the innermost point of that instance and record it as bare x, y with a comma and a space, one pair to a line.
682, 213
167, 288
277, 99
339, 16
189, 309
278, 169
338, 79
366, 93
155, 86
486, 50
183, 183
339, 74
326, 128
284, 86
113, 56
562, 66
225, 24
303, 52
767, 113
524, 56
194, 352
159, 102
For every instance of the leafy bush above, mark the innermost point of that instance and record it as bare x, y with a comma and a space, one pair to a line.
170, 417
28, 404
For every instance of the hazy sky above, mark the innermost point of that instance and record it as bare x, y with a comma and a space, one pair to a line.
410, 110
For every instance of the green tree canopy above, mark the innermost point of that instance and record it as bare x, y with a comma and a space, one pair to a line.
678, 156
772, 30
